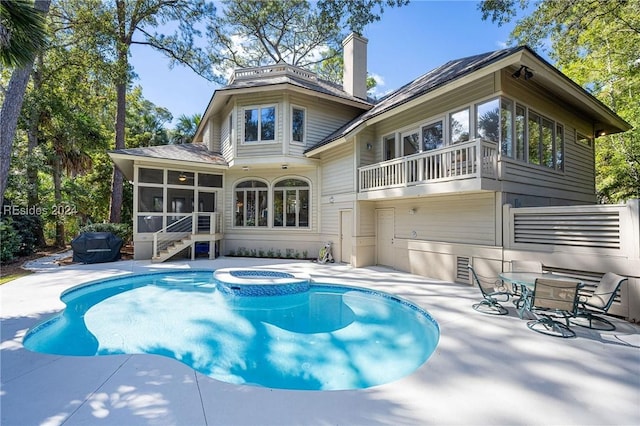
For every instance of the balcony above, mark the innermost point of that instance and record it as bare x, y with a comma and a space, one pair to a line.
279, 69
462, 167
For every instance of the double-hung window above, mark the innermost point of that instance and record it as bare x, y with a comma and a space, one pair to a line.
260, 124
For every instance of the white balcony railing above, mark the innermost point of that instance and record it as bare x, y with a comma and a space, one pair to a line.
272, 71
473, 159
194, 223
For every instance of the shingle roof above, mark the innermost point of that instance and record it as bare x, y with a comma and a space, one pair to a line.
316, 84
433, 79
194, 152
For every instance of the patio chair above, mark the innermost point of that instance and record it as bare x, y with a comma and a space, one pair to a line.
523, 266
551, 300
493, 292
599, 302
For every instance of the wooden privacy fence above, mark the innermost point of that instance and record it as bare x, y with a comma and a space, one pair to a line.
580, 240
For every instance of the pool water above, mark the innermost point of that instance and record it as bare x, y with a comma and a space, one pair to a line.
328, 338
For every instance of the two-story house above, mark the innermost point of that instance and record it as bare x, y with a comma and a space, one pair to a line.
284, 161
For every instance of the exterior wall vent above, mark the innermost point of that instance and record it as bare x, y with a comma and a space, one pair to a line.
462, 272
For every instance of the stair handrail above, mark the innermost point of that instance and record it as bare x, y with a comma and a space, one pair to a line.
173, 232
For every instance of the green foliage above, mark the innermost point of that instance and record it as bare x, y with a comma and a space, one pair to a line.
185, 129
10, 240
145, 121
355, 14
595, 43
25, 226
122, 230
297, 32
22, 32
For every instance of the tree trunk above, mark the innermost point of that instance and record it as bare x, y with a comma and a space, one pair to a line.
33, 197
57, 195
117, 182
14, 96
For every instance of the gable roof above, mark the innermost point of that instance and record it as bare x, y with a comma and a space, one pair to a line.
433, 79
459, 68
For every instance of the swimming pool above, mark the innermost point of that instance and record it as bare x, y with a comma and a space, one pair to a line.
329, 337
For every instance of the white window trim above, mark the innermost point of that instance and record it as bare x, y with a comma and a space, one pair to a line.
229, 139
304, 125
274, 188
268, 189
275, 130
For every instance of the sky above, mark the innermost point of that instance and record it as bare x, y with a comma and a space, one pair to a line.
406, 43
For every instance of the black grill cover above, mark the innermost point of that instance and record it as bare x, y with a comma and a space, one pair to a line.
96, 247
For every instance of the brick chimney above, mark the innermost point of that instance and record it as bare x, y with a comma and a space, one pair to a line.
354, 78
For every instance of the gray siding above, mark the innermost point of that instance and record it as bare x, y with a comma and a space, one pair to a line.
577, 181
468, 219
338, 171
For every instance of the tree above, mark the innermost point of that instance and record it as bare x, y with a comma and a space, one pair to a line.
596, 44
12, 33
296, 32
114, 27
185, 129
145, 121
22, 32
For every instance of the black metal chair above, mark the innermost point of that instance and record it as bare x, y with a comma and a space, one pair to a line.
550, 300
493, 292
591, 307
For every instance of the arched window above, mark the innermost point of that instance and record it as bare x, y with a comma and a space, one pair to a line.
251, 203
291, 204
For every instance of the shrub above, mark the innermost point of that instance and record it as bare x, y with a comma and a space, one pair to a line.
10, 241
122, 230
26, 226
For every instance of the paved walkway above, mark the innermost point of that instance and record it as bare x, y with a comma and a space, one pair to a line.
47, 263
485, 370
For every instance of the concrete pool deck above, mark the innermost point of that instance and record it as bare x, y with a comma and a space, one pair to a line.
486, 369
